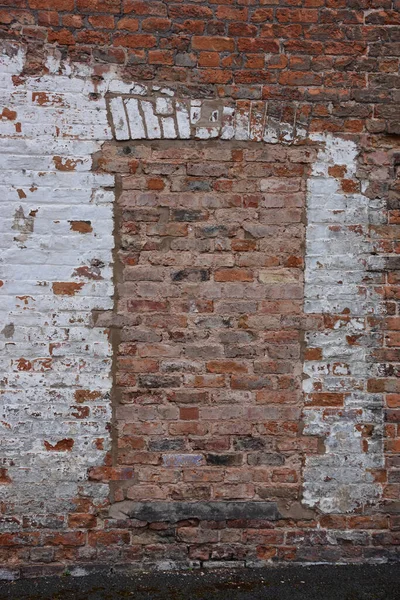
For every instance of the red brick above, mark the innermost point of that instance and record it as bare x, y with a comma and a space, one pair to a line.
299, 78
326, 399
22, 17
214, 76
260, 15
82, 521
58, 5
110, 473
246, 77
70, 538
146, 306
232, 274
102, 6
102, 22
22, 539
209, 59
393, 400
156, 24
189, 11
93, 37
243, 245
217, 44
145, 7
62, 37
128, 23
108, 538
161, 57
232, 14
208, 330
226, 366
313, 354
72, 21
258, 45
294, 15
135, 41
188, 428
367, 522
189, 26
393, 338
304, 47
188, 413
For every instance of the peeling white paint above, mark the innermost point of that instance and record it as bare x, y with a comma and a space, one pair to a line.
337, 248
49, 351
204, 122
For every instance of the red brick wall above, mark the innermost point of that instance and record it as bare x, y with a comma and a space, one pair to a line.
210, 296
313, 51
224, 386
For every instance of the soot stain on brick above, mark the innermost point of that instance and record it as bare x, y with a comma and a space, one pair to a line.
23, 224
5, 479
8, 330
191, 275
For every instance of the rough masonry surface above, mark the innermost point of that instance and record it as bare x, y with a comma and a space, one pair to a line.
199, 283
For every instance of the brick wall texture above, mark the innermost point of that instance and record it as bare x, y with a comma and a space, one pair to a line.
199, 337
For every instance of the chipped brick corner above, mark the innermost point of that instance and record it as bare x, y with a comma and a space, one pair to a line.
200, 285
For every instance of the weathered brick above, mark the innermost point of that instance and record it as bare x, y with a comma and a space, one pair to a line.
253, 206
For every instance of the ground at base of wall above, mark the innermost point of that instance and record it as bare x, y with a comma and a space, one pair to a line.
327, 582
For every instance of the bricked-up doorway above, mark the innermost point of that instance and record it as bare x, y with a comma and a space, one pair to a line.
209, 327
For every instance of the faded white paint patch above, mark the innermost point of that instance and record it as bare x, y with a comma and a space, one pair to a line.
200, 119
337, 249
55, 268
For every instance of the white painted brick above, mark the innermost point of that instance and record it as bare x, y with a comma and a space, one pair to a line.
242, 124
257, 121
119, 118
271, 131
151, 120
183, 121
206, 133
195, 111
334, 281
135, 119
166, 91
117, 86
71, 126
228, 129
245, 121
164, 106
168, 127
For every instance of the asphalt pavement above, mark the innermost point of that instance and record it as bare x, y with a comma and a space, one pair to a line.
317, 582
